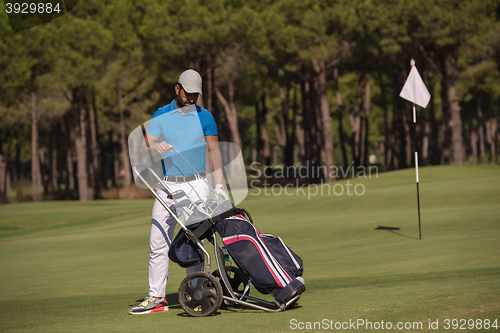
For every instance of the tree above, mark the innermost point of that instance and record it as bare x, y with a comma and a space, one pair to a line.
125, 90
306, 48
380, 47
20, 79
78, 55
445, 30
226, 73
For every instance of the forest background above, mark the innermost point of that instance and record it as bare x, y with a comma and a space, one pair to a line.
292, 82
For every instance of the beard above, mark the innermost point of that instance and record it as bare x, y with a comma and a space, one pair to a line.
180, 102
184, 106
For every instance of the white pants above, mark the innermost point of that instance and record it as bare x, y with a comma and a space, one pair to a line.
162, 233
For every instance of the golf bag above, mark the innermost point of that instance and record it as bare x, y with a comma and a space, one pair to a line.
184, 252
272, 266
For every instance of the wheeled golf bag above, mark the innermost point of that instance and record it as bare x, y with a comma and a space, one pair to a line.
184, 252
272, 266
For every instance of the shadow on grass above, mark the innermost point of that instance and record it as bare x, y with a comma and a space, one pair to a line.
172, 300
392, 229
184, 314
173, 303
236, 309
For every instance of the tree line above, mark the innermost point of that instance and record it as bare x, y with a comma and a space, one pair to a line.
289, 81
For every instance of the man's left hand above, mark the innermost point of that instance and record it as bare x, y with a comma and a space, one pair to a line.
219, 189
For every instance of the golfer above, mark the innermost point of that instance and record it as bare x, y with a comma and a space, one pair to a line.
190, 129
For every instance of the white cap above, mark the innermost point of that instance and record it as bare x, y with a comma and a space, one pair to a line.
191, 81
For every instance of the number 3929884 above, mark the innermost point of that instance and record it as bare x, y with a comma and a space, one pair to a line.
32, 8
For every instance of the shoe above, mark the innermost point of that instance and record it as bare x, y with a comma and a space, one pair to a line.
150, 305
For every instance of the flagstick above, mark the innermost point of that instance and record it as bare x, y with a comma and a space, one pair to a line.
412, 63
416, 171
415, 91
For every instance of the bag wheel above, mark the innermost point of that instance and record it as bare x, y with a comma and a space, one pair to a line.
200, 294
237, 281
292, 305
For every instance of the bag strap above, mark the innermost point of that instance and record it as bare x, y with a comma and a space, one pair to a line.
200, 231
206, 225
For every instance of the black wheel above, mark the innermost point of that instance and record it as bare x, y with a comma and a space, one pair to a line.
237, 281
200, 294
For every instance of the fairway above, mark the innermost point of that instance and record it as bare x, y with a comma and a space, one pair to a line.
67, 266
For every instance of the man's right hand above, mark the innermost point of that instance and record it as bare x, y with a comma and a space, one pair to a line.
163, 147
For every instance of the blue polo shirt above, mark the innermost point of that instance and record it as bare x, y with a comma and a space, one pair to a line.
185, 131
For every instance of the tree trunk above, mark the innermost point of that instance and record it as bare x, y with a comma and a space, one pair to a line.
279, 134
317, 138
281, 130
398, 123
366, 104
210, 90
387, 143
116, 172
110, 160
410, 152
96, 152
434, 139
7, 158
300, 141
445, 133
340, 115
265, 136
71, 170
326, 121
123, 141
230, 111
54, 187
473, 142
309, 126
213, 106
254, 157
263, 150
480, 130
3, 173
494, 131
290, 145
287, 141
44, 168
3, 179
259, 144
425, 140
70, 161
491, 129
451, 111
36, 174
355, 121
275, 156
456, 125
80, 114
498, 132
16, 168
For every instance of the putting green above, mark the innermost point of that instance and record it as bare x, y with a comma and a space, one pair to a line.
78, 267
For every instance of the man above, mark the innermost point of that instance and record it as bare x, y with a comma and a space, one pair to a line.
190, 129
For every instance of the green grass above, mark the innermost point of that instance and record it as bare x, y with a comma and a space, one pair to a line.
78, 267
